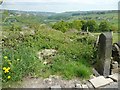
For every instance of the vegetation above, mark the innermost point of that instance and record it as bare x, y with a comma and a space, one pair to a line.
105, 26
82, 25
25, 34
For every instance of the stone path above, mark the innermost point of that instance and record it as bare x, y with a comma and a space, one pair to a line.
57, 82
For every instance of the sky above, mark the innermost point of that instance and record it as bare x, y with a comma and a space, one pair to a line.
60, 5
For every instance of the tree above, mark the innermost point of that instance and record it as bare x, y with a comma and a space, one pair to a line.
77, 24
62, 26
91, 25
83, 25
104, 26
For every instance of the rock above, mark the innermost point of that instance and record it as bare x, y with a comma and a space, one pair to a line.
95, 72
56, 87
69, 84
32, 32
113, 71
114, 77
104, 54
89, 85
109, 80
48, 80
99, 81
77, 85
112, 86
46, 53
114, 65
84, 86
54, 77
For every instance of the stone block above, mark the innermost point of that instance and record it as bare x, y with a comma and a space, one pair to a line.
114, 77
100, 81
104, 54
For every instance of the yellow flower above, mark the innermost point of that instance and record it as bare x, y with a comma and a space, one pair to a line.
4, 68
5, 57
7, 70
9, 77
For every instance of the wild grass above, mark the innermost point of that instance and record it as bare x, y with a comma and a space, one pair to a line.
72, 60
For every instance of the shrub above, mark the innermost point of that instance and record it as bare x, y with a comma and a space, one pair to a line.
104, 26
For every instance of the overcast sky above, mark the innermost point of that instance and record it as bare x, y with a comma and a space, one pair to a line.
60, 5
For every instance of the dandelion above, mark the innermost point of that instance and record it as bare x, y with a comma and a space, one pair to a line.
6, 70
5, 57
9, 77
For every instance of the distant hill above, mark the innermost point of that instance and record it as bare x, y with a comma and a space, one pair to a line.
52, 17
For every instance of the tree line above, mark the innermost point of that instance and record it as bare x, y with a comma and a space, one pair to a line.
83, 25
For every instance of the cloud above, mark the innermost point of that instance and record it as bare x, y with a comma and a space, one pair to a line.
65, 1
61, 5
42, 1
80, 2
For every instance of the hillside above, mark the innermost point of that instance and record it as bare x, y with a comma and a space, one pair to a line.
31, 47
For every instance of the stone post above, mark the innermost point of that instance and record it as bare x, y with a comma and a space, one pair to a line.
104, 54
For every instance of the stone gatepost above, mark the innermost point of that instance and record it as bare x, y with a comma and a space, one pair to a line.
104, 54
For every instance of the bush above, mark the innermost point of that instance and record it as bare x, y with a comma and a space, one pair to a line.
91, 25
62, 26
104, 26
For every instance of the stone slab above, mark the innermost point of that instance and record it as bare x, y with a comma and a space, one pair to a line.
112, 86
104, 54
114, 77
100, 81
89, 85
109, 80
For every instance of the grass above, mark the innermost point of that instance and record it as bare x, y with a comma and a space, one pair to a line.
70, 68
72, 60
115, 36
